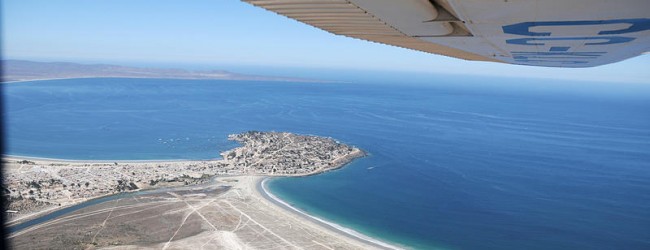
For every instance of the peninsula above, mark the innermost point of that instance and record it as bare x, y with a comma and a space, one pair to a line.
21, 70
211, 204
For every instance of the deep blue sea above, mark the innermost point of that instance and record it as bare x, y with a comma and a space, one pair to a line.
455, 163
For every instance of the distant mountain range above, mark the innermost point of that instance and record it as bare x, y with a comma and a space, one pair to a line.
19, 70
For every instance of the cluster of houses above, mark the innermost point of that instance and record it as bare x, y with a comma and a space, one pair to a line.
29, 184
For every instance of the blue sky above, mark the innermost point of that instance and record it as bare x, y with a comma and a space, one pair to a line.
230, 32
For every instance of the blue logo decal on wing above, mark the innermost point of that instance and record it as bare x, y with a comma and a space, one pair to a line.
610, 40
560, 53
523, 29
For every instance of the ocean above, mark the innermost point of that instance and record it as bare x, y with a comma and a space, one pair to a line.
454, 162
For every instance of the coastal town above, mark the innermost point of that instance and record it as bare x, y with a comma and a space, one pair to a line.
33, 185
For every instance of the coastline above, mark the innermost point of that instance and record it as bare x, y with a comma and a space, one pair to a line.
262, 191
270, 79
50, 79
59, 189
123, 77
237, 217
126, 77
47, 159
258, 190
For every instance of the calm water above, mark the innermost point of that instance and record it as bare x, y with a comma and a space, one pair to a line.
453, 165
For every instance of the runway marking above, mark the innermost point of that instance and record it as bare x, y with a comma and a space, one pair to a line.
238, 223
260, 225
323, 245
104, 223
178, 229
199, 213
68, 218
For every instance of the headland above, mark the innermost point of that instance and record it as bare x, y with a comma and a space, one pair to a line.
23, 71
217, 203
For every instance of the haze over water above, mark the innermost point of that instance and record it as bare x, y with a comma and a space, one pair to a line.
454, 164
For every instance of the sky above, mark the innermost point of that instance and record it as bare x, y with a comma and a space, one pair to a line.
230, 32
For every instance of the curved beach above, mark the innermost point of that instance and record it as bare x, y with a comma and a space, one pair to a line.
344, 231
231, 213
224, 199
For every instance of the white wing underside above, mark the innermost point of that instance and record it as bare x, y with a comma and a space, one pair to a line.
569, 33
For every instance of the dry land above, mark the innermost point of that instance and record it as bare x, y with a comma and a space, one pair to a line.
227, 214
178, 204
20, 71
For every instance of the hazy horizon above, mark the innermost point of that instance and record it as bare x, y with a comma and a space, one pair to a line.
235, 34
450, 153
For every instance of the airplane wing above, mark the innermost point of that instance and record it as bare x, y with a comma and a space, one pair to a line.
567, 33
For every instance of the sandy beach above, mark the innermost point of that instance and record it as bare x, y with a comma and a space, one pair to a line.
239, 215
262, 191
177, 204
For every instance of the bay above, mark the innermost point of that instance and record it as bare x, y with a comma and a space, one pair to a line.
453, 164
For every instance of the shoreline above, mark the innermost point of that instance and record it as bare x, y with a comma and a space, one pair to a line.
280, 79
245, 219
260, 188
53, 210
259, 191
118, 77
51, 181
121, 77
47, 159
51, 79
